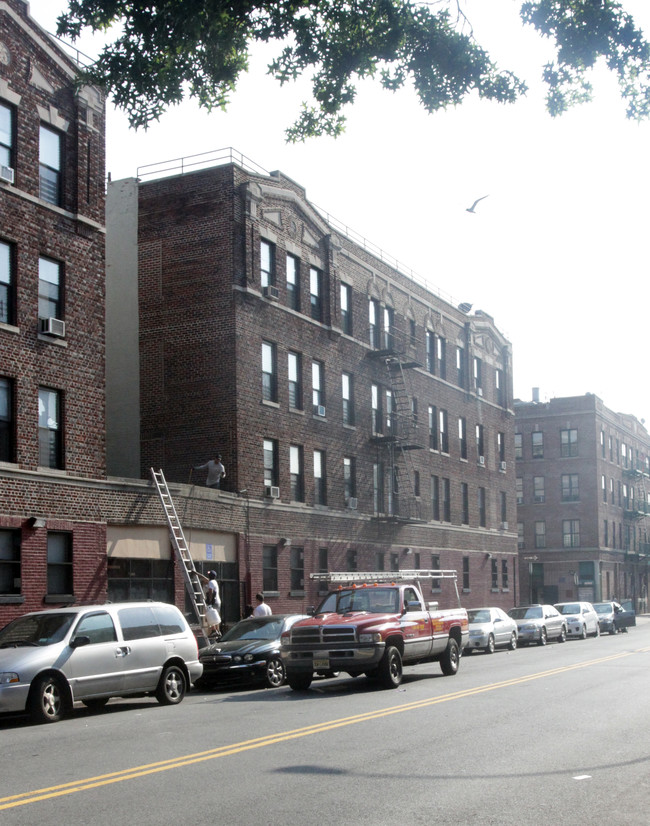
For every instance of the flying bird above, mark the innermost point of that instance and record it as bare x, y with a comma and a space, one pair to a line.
473, 207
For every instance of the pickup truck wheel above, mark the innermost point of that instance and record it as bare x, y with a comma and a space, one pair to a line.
450, 660
489, 648
299, 682
390, 668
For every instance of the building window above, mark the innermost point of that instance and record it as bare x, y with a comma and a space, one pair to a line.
494, 574
297, 473
59, 564
10, 581
570, 487
480, 443
6, 136
539, 490
504, 575
349, 479
271, 470
49, 288
603, 485
6, 421
464, 498
293, 282
50, 439
373, 323
571, 533
394, 562
378, 487
435, 498
318, 387
430, 351
520, 536
140, 579
316, 293
435, 566
320, 482
391, 421
520, 490
605, 532
7, 298
297, 566
478, 375
446, 500
294, 366
460, 366
412, 332
323, 561
50, 165
380, 561
351, 557
346, 309
270, 568
269, 372
499, 386
347, 393
441, 356
465, 573
377, 414
433, 427
444, 433
462, 436
482, 507
519, 446
267, 263
603, 452
504, 508
537, 441
387, 328
540, 534
501, 446
568, 442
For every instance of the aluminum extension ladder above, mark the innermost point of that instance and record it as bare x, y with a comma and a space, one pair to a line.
190, 574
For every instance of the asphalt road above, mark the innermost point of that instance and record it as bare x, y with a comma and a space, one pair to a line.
556, 735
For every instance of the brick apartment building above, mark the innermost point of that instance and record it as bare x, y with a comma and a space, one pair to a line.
364, 422
583, 488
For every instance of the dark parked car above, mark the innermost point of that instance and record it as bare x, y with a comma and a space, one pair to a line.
613, 617
248, 653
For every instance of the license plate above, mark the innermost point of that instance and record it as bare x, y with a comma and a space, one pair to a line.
322, 662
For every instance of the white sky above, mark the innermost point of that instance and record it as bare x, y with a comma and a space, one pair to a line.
557, 253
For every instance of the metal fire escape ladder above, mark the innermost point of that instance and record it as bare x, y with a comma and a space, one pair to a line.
190, 575
406, 432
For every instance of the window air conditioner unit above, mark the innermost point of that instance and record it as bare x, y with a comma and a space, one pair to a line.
502, 466
6, 174
320, 411
272, 491
53, 327
271, 292
353, 503
481, 460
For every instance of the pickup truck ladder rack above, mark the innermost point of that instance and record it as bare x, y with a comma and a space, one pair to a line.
190, 574
373, 577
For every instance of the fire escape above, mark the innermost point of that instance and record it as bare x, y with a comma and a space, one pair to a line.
637, 511
395, 424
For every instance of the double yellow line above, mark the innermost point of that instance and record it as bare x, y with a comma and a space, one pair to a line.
73, 787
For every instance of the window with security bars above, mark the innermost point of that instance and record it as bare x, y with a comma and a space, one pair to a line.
140, 579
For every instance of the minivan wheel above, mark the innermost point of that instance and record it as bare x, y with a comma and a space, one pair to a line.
47, 701
172, 686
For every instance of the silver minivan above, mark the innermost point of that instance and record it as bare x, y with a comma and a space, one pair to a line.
50, 659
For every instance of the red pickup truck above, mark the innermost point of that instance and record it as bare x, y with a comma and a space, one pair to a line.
372, 625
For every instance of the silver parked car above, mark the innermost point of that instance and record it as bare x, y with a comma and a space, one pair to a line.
49, 659
490, 628
581, 619
538, 623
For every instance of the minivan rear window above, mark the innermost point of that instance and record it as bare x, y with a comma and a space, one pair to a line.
138, 623
169, 619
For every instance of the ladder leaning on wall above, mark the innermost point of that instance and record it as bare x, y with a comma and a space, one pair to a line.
190, 574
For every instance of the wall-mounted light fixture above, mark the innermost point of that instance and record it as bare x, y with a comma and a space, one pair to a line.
284, 542
408, 551
37, 522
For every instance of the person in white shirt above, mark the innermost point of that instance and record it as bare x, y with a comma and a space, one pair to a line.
216, 472
261, 609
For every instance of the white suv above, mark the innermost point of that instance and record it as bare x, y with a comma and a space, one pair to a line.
50, 659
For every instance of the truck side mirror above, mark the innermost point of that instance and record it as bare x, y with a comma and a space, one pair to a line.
311, 610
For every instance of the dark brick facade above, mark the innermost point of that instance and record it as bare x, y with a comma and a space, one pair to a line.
204, 316
583, 501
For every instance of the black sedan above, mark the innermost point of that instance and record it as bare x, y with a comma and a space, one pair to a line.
248, 653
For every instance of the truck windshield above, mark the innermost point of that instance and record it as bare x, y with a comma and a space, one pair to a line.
371, 600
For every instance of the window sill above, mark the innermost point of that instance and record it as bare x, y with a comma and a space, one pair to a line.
268, 594
300, 594
56, 599
11, 599
9, 328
